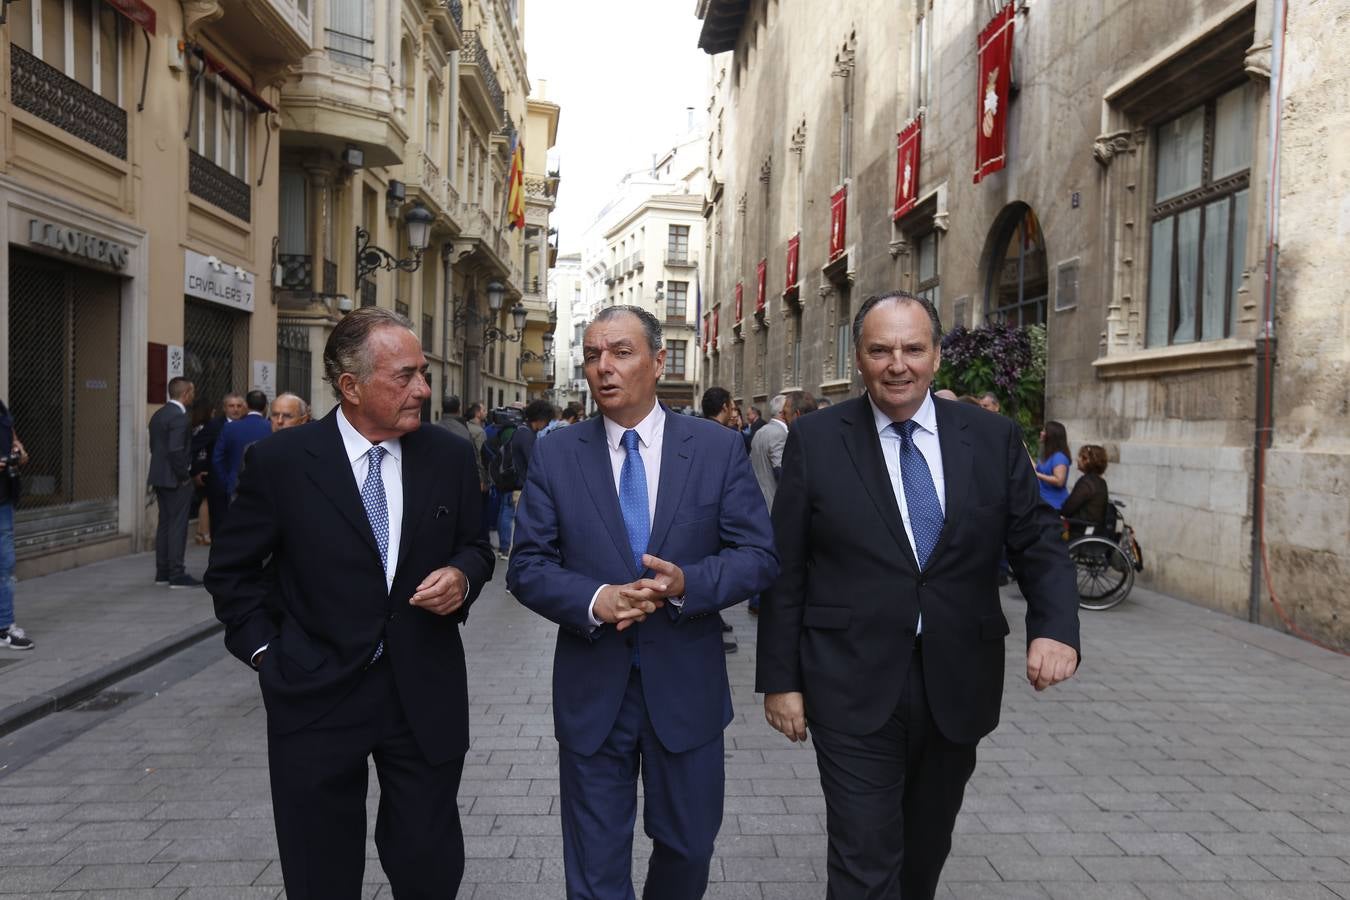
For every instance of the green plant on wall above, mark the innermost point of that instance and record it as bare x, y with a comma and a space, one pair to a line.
1007, 361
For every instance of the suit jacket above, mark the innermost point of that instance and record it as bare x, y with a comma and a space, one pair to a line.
570, 539
170, 447
296, 567
227, 457
839, 624
766, 454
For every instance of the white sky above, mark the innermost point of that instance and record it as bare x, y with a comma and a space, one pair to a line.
623, 72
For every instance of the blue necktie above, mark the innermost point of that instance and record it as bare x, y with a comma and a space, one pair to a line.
633, 498
377, 513
925, 512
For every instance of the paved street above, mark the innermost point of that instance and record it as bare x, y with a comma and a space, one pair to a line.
1195, 757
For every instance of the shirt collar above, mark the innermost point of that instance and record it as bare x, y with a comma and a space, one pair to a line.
647, 429
925, 418
178, 404
356, 445
779, 422
253, 412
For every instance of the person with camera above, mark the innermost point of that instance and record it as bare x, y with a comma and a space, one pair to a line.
11, 635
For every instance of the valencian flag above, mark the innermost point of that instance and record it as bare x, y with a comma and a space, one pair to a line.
995, 51
515, 186
838, 210
907, 167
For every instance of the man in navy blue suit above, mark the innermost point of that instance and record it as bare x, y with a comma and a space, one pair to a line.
664, 527
235, 437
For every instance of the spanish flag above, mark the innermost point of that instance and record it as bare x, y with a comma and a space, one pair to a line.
515, 187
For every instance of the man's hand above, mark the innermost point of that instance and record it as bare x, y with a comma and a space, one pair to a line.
442, 592
625, 605
199, 479
1050, 662
667, 580
786, 712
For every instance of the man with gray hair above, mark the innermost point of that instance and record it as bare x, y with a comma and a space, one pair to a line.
352, 553
766, 449
288, 411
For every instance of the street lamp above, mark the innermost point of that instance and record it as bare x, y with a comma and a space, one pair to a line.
371, 258
518, 316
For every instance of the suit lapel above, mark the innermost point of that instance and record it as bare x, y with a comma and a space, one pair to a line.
332, 474
957, 458
864, 449
418, 474
677, 455
598, 473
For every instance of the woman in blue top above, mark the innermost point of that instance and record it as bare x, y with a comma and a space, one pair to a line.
1053, 469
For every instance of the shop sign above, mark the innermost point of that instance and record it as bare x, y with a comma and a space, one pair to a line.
73, 242
207, 278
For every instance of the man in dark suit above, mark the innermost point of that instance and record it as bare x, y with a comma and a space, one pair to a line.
633, 530
169, 475
884, 631
348, 561
235, 438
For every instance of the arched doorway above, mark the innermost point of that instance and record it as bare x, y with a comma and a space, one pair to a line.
1018, 285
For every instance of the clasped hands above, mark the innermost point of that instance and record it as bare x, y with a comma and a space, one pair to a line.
625, 605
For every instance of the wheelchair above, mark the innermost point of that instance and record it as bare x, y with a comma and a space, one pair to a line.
1105, 558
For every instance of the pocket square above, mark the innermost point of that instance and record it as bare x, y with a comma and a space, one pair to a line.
440, 511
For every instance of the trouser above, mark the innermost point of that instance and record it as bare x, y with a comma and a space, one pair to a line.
891, 800
506, 520
171, 532
682, 812
319, 776
6, 563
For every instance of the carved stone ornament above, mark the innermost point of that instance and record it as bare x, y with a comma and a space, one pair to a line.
766, 170
197, 14
898, 248
1107, 146
1257, 61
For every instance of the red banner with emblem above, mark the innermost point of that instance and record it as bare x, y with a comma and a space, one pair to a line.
716, 310
707, 330
761, 280
838, 211
995, 59
907, 167
793, 254
740, 301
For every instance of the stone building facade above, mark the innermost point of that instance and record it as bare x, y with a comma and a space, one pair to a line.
138, 181
1134, 219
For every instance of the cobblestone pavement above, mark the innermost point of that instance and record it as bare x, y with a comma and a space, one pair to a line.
1194, 757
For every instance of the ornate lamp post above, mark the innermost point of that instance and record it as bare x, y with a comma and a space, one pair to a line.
371, 258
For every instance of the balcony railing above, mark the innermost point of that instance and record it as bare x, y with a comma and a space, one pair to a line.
676, 259
474, 53
218, 187
49, 94
456, 8
297, 274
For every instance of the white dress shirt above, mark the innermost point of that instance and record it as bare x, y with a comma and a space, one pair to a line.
391, 472
651, 432
926, 441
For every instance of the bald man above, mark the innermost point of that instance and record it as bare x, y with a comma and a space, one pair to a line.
288, 411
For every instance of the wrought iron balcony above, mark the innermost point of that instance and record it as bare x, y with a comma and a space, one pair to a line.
49, 94
678, 259
218, 187
474, 53
456, 8
297, 274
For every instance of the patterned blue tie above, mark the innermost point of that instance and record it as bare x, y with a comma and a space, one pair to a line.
377, 513
925, 512
633, 498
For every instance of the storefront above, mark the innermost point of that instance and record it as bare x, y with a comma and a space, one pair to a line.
219, 307
68, 296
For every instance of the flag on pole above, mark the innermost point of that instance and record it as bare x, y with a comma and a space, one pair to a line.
698, 308
515, 186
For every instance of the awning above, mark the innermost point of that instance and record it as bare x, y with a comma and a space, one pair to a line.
224, 71
138, 11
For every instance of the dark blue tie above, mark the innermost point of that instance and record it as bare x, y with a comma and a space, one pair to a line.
377, 512
633, 498
925, 512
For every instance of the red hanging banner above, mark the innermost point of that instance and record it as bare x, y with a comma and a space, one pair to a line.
707, 330
838, 210
995, 58
740, 302
907, 167
761, 279
794, 251
716, 310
